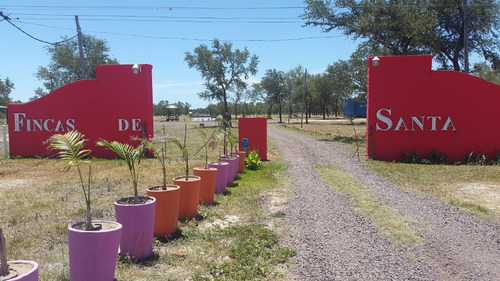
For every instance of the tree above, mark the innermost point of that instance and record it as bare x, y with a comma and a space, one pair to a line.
341, 83
273, 85
6, 87
484, 71
224, 70
405, 27
64, 67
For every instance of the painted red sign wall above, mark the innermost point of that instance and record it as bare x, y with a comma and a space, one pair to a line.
114, 106
255, 130
412, 108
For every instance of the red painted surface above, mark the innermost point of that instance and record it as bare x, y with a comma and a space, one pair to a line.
255, 130
413, 108
113, 107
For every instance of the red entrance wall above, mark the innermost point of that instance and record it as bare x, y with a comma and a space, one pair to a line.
413, 108
255, 130
113, 107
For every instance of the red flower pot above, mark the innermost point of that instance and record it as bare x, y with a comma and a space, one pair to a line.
166, 210
190, 196
207, 184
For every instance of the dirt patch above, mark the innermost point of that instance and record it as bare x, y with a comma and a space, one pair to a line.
486, 195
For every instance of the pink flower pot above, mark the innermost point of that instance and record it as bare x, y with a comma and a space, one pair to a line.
138, 222
15, 275
92, 254
222, 170
233, 167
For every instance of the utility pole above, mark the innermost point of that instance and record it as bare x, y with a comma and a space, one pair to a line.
303, 100
80, 48
466, 37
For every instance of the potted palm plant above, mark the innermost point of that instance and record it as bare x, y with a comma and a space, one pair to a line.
232, 160
136, 213
167, 195
18, 270
190, 185
88, 237
207, 174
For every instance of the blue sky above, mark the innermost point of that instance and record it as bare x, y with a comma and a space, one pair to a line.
160, 32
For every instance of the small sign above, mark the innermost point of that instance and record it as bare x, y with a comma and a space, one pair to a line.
244, 142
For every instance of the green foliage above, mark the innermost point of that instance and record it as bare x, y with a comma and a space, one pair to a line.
253, 161
159, 147
131, 156
252, 254
70, 149
222, 68
64, 66
184, 150
6, 87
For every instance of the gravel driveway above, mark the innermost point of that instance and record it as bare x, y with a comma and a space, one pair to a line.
333, 242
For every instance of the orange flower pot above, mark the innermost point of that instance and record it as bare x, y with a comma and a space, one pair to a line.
167, 209
190, 196
241, 160
207, 185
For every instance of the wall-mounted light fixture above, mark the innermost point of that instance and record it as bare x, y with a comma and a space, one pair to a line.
375, 61
136, 68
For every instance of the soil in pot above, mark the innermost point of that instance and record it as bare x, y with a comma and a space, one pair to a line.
207, 185
190, 196
21, 270
166, 210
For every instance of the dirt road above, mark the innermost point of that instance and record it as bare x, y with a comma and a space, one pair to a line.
334, 242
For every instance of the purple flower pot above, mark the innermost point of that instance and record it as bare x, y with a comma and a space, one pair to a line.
222, 171
233, 167
31, 275
92, 254
138, 222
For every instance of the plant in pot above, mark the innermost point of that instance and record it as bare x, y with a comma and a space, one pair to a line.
222, 167
190, 185
207, 174
18, 270
93, 244
136, 213
167, 195
233, 141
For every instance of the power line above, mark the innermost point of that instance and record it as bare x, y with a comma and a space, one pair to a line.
7, 19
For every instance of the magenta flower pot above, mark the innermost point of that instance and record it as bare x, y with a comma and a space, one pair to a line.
14, 275
233, 165
138, 222
92, 254
236, 165
222, 170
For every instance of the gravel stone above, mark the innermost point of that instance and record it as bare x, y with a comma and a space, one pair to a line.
333, 242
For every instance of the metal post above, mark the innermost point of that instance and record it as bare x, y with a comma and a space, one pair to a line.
466, 37
5, 144
80, 47
303, 100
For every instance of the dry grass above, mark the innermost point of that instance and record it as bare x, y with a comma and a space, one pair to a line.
38, 200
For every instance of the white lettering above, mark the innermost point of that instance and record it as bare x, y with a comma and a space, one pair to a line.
46, 124
401, 123
123, 125
18, 121
136, 124
70, 124
384, 119
447, 124
433, 121
420, 123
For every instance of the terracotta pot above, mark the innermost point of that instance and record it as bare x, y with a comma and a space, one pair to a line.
138, 222
241, 160
190, 196
21, 270
207, 185
166, 210
92, 254
222, 170
233, 167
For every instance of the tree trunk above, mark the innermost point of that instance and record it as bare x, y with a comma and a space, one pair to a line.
4, 269
281, 121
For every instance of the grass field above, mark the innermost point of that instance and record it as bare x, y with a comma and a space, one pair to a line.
38, 200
